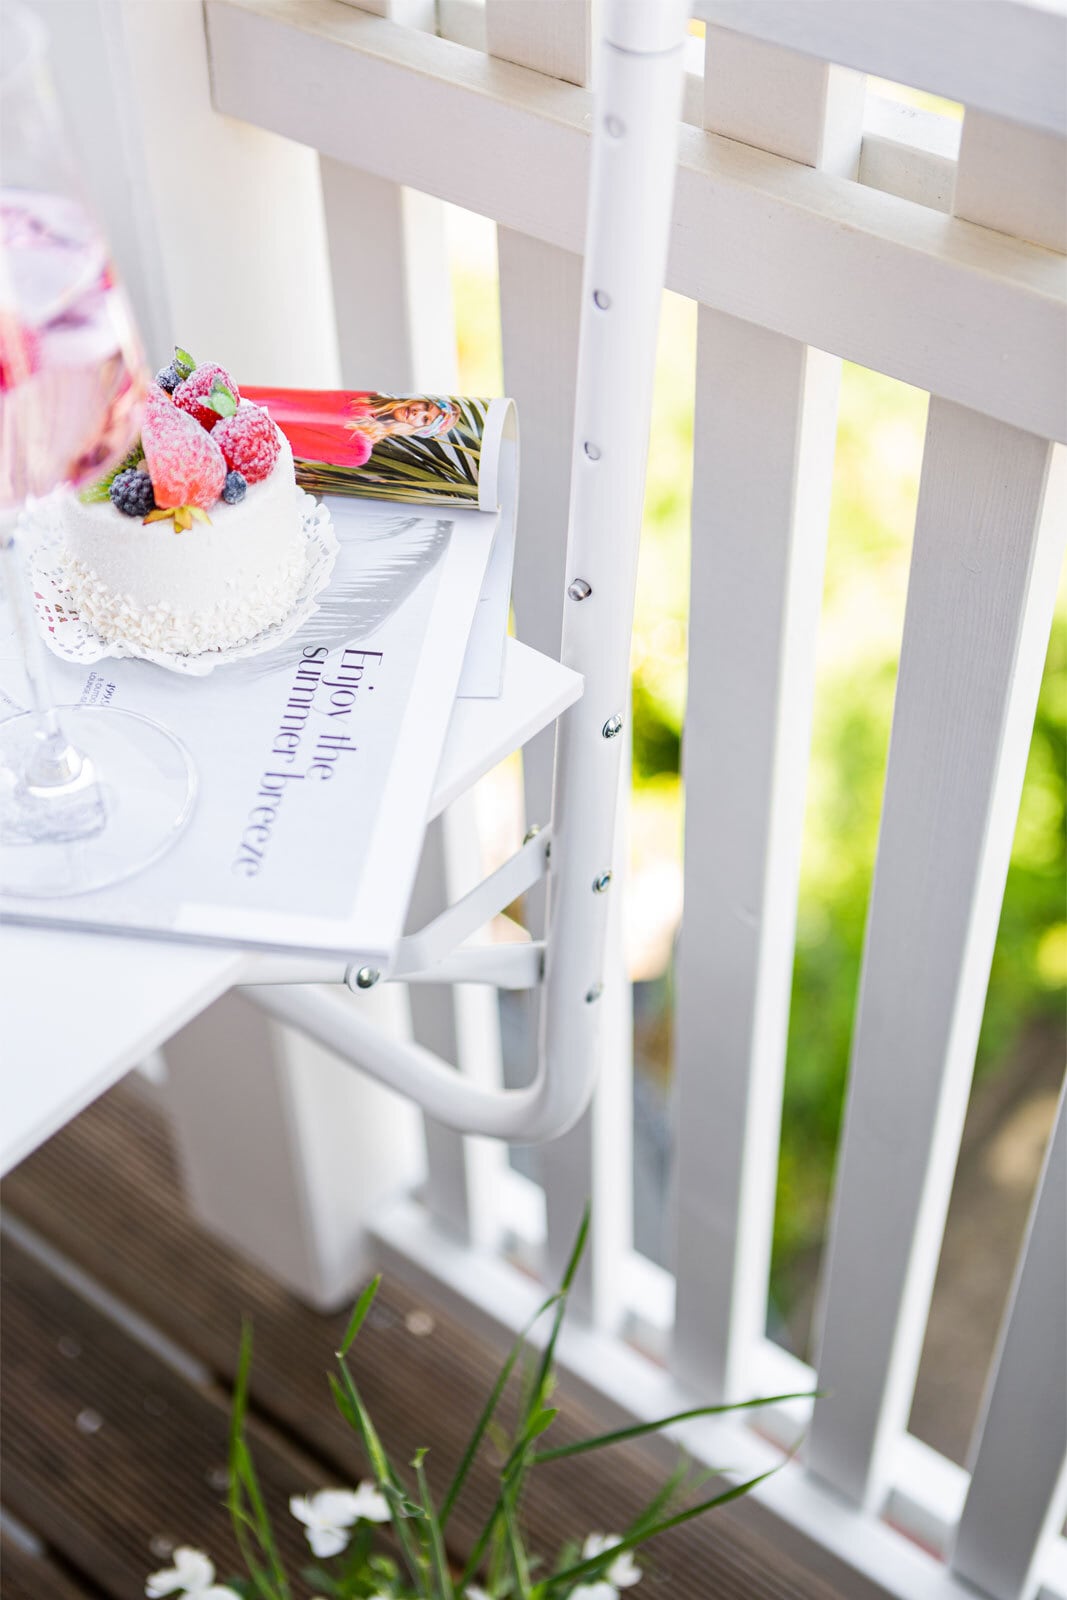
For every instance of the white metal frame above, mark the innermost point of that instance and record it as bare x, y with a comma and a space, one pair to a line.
630, 203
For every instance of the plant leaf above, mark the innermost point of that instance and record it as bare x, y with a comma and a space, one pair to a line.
355, 1412
595, 1564
183, 361
601, 1440
221, 399
436, 1541
489, 1409
355, 1322
97, 492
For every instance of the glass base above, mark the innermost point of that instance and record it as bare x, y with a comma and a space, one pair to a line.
115, 813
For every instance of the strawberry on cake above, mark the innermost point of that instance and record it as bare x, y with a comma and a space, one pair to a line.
195, 543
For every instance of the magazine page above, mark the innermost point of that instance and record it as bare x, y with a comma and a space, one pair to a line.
316, 761
428, 450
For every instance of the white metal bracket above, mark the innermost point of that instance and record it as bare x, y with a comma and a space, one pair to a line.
422, 952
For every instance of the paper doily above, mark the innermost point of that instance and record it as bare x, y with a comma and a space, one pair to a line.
72, 639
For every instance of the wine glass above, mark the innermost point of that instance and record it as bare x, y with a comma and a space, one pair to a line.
88, 794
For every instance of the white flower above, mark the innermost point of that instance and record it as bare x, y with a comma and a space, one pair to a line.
623, 1572
472, 1592
192, 1574
328, 1515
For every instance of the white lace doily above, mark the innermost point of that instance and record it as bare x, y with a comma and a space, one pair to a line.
73, 639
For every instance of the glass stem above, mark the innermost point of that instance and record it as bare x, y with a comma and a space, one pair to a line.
55, 762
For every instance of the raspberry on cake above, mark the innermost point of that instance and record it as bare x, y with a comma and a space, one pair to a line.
249, 440
196, 541
191, 395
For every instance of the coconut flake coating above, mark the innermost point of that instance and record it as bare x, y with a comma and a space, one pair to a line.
208, 588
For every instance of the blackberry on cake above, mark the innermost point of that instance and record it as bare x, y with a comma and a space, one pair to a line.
131, 491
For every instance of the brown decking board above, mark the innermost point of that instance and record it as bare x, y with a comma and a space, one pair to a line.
106, 1448
104, 1193
27, 1575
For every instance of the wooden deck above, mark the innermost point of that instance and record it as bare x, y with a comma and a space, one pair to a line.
120, 1327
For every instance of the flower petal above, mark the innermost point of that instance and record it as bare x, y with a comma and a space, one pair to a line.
598, 1544
371, 1504
164, 1582
300, 1506
337, 1508
624, 1571
326, 1542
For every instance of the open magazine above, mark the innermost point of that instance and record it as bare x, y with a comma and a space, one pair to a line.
424, 450
316, 761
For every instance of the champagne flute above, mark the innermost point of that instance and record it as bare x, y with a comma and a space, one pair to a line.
88, 794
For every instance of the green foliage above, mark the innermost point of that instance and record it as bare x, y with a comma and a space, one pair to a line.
99, 491
876, 481
500, 1560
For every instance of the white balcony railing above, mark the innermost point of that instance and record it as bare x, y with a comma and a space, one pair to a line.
812, 224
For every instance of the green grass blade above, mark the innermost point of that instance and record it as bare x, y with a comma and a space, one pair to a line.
244, 1487
544, 1369
489, 1410
601, 1440
657, 1506
517, 1554
386, 1478
595, 1565
436, 1541
355, 1322
539, 1423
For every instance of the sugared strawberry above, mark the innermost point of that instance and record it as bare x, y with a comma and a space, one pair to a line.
249, 441
185, 464
194, 391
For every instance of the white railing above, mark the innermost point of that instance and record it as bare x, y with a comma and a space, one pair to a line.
810, 226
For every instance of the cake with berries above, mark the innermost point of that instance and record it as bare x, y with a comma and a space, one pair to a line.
195, 542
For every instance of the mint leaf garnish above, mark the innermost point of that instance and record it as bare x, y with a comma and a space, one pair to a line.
221, 399
183, 361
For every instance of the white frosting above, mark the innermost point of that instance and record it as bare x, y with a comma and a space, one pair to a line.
207, 588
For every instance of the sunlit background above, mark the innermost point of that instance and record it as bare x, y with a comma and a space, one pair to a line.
1023, 1042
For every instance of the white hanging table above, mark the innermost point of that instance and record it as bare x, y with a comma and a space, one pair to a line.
85, 1008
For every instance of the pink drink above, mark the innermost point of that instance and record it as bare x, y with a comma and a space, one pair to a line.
70, 368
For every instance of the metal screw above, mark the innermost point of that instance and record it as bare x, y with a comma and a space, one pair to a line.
531, 833
579, 589
614, 127
601, 299
600, 884
367, 977
592, 450
612, 726
594, 993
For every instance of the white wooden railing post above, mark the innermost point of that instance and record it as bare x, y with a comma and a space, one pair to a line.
988, 547
766, 420
402, 339
257, 1111
1018, 1495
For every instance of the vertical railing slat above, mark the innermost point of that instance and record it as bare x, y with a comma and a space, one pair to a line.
1018, 1493
980, 600
402, 339
988, 544
763, 462
540, 289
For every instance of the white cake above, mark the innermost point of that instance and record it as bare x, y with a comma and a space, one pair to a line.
211, 586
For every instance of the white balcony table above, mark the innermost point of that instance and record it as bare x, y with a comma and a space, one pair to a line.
79, 1010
